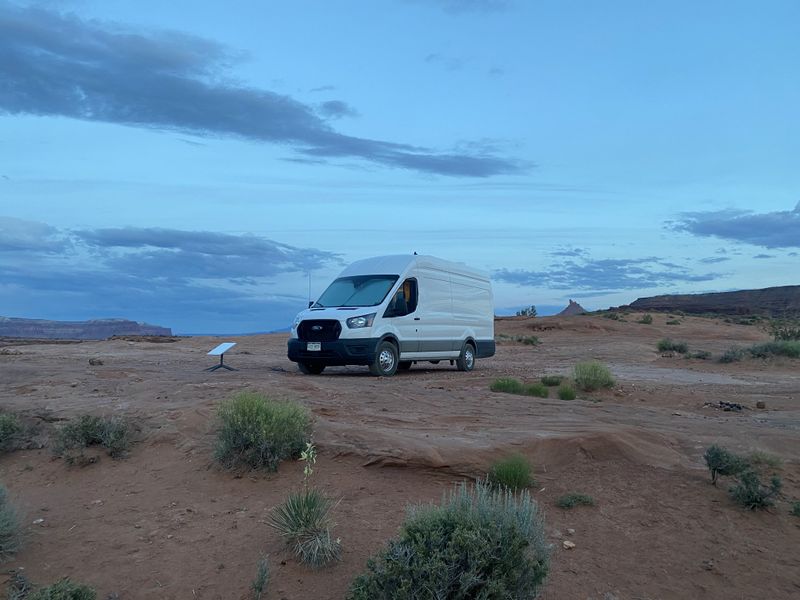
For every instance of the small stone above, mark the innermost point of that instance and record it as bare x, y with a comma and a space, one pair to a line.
95, 361
570, 531
170, 536
761, 404
38, 521
568, 545
708, 564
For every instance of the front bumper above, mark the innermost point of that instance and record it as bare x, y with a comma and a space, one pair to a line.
357, 351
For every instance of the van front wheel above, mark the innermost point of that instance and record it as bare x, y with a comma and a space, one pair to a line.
310, 368
385, 363
466, 362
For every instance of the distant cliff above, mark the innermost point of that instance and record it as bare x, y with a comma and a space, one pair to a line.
99, 329
774, 302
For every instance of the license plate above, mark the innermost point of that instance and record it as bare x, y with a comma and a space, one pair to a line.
314, 346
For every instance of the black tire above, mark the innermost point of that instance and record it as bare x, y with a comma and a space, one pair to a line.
466, 362
404, 365
385, 363
309, 368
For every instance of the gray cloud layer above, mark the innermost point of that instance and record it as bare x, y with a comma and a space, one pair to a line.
191, 280
57, 65
605, 275
780, 229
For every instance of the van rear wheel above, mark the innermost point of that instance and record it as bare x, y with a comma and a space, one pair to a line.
385, 363
466, 362
309, 368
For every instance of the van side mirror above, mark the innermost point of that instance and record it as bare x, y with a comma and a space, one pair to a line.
310, 303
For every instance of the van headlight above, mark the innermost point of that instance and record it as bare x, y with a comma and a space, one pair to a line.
296, 321
362, 321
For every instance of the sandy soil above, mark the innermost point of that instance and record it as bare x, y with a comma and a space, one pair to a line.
167, 523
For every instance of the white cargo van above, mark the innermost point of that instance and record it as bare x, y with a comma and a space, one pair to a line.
391, 311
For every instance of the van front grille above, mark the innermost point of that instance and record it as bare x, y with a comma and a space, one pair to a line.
319, 330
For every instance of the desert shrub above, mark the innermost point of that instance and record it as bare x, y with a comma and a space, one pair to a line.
537, 389
700, 354
667, 345
112, 433
759, 458
730, 355
574, 499
507, 385
613, 316
10, 537
304, 522
478, 543
19, 587
529, 311
750, 493
552, 380
513, 472
64, 590
528, 340
261, 580
566, 392
646, 319
10, 427
795, 510
592, 375
258, 432
723, 462
785, 331
673, 322
783, 348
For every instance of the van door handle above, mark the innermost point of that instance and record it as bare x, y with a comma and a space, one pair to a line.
416, 318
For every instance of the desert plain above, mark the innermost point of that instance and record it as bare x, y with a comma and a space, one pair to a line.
167, 522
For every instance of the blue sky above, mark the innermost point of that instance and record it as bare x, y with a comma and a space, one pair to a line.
190, 163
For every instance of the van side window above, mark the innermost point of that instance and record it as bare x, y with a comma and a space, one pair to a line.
404, 302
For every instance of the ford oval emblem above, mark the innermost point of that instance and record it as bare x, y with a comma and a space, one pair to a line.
316, 328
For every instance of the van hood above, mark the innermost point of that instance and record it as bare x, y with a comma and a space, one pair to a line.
340, 314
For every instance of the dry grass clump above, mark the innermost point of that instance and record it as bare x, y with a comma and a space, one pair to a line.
592, 375
258, 432
574, 499
304, 522
64, 590
112, 433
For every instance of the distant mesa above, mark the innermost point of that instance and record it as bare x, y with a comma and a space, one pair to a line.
99, 329
781, 301
572, 309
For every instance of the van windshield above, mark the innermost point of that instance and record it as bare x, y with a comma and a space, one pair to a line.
362, 290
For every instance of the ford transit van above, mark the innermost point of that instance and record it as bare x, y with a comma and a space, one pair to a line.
389, 312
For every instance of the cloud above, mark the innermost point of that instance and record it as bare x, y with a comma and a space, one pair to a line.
714, 260
450, 63
190, 280
17, 235
779, 229
336, 109
605, 275
762, 256
59, 65
467, 6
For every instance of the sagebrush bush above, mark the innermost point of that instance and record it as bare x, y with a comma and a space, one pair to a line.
64, 590
513, 472
536, 389
733, 354
667, 345
592, 375
112, 433
574, 499
751, 494
552, 380
10, 427
646, 319
507, 385
304, 522
566, 392
723, 462
10, 537
258, 432
782, 348
478, 543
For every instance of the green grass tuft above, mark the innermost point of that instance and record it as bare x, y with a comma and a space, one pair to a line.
64, 590
574, 499
592, 375
10, 537
566, 392
537, 389
507, 385
667, 345
513, 472
734, 354
304, 522
759, 458
258, 432
552, 380
646, 319
479, 543
261, 580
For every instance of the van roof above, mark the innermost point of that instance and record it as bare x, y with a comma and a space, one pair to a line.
397, 264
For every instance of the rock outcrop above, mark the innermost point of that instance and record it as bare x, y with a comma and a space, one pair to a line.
573, 308
781, 301
99, 329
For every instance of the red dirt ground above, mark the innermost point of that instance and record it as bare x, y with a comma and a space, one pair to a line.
167, 523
